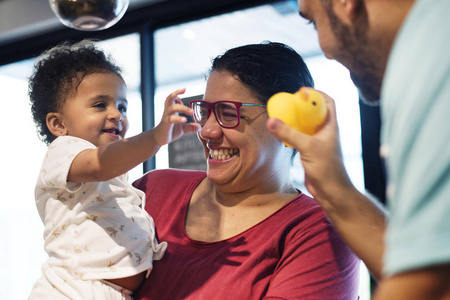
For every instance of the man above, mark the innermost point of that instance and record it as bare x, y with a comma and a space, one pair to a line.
396, 51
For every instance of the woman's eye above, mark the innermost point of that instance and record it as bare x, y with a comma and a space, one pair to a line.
204, 113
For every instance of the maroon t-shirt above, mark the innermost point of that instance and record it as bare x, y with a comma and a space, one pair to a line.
293, 254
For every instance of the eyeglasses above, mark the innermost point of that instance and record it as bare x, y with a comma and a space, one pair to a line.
227, 112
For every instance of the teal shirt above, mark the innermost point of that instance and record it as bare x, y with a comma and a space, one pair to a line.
416, 140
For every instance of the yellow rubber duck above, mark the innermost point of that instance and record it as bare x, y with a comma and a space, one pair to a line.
305, 110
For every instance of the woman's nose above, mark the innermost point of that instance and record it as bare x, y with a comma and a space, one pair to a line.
211, 129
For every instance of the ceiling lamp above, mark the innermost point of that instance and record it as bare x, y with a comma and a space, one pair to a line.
89, 15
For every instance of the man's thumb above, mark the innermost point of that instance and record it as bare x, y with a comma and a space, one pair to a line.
285, 133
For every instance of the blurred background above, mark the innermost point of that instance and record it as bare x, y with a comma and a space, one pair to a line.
161, 46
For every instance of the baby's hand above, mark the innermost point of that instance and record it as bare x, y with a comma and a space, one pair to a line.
172, 125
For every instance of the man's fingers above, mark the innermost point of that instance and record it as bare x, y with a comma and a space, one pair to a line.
286, 134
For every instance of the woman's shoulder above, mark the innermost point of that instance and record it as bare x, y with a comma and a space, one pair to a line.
303, 211
305, 203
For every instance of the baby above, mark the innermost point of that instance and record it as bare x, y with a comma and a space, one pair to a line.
100, 241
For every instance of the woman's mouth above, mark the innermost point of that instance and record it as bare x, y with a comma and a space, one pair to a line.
222, 154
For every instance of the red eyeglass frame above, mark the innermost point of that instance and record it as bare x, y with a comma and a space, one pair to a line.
212, 107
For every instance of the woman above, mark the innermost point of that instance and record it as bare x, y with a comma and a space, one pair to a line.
241, 230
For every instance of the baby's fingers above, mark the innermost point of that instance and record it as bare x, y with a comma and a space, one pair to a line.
191, 127
174, 97
181, 110
175, 94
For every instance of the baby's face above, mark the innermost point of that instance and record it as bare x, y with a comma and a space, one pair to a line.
96, 112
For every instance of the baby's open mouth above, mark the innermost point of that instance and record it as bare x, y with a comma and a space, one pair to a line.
115, 131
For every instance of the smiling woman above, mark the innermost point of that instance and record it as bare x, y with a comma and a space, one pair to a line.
211, 36
243, 223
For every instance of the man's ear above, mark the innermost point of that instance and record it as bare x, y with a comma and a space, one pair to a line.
350, 8
354, 7
55, 124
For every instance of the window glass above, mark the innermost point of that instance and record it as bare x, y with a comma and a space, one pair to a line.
22, 252
183, 56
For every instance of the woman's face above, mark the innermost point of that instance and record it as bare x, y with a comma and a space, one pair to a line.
248, 155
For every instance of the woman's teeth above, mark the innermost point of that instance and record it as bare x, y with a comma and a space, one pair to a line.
222, 153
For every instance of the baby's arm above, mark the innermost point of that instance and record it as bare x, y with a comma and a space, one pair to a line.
112, 160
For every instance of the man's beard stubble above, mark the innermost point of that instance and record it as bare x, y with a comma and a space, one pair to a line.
359, 58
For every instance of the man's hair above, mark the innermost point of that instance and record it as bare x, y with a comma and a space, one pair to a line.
266, 68
58, 73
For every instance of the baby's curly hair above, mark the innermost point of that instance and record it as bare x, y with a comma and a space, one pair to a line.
57, 75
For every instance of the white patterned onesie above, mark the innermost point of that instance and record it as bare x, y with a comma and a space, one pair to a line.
93, 231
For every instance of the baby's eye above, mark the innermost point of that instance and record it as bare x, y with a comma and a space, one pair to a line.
100, 105
122, 108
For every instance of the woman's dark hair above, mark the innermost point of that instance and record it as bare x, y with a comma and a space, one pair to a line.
58, 73
266, 68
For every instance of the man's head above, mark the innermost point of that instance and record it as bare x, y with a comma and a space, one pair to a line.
359, 34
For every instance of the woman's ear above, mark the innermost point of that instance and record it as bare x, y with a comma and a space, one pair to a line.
55, 124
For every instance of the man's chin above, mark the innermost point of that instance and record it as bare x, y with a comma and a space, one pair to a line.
370, 102
368, 94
